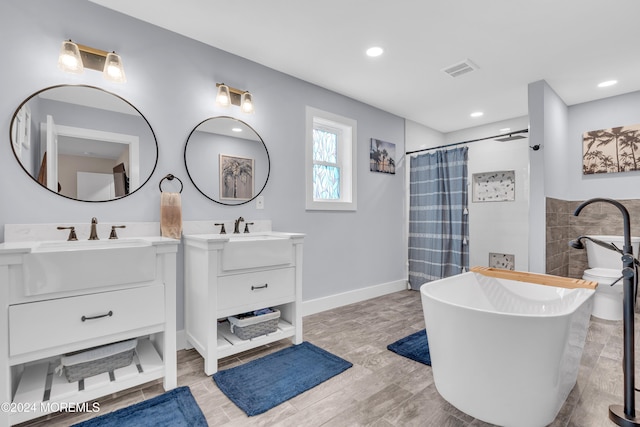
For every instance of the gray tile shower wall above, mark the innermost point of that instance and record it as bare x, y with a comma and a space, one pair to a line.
562, 226
557, 233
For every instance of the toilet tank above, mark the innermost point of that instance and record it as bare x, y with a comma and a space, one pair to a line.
599, 257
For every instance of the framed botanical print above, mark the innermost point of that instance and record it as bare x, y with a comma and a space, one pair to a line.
236, 177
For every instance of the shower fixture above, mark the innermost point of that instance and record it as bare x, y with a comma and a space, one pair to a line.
510, 137
622, 416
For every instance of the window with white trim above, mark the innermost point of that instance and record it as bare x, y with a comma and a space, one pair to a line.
330, 161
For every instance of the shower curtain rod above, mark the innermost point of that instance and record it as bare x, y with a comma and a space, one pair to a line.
469, 141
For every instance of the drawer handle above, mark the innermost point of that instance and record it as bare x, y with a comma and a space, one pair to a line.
253, 288
109, 314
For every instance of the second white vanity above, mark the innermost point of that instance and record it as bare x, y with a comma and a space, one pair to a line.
229, 274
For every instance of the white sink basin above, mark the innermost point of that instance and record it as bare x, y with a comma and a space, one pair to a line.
80, 245
256, 250
60, 266
253, 237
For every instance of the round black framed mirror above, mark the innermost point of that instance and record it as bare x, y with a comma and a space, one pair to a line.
83, 143
227, 160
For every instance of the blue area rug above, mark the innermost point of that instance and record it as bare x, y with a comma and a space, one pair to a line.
175, 408
261, 384
414, 346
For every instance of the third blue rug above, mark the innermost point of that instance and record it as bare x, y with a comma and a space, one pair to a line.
414, 346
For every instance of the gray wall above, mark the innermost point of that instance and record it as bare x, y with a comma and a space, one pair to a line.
556, 174
622, 110
171, 80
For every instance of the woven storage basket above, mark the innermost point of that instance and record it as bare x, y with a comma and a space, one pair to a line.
255, 326
97, 360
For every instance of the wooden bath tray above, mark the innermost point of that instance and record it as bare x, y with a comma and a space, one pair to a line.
540, 279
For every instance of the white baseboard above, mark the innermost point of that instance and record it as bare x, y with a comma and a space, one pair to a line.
334, 301
181, 340
327, 303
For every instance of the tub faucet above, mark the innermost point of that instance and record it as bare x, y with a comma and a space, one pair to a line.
94, 233
236, 227
619, 414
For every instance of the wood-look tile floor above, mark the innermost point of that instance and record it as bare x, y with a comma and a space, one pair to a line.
382, 388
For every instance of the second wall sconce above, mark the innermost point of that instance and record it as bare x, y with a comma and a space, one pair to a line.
74, 58
231, 96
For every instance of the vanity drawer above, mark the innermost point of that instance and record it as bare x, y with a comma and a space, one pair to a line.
262, 287
52, 323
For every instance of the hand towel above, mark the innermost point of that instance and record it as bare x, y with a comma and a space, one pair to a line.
170, 215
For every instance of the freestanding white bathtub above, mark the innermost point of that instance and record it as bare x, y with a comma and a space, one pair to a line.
506, 352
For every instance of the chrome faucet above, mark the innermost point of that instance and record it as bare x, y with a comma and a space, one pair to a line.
236, 227
94, 233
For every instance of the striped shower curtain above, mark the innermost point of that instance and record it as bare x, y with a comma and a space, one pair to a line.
438, 216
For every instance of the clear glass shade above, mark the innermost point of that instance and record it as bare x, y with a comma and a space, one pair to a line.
246, 103
69, 59
223, 98
113, 69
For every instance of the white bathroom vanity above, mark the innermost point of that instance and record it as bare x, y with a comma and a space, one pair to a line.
229, 274
59, 297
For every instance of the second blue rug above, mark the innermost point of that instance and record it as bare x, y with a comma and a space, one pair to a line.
261, 384
414, 346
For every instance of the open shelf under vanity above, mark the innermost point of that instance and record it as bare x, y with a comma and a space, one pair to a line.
41, 390
229, 344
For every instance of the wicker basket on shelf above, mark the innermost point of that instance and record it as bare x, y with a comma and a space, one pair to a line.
87, 363
248, 327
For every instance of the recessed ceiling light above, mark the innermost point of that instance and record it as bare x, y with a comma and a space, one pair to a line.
236, 129
374, 51
607, 83
477, 114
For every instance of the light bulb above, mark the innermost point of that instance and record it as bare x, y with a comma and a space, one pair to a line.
69, 59
113, 69
246, 103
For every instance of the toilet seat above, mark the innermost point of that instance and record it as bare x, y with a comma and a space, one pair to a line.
604, 276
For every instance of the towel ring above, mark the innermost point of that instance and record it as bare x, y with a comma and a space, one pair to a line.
170, 177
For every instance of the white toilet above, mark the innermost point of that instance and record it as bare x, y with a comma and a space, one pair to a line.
605, 267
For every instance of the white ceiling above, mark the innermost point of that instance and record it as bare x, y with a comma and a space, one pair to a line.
572, 44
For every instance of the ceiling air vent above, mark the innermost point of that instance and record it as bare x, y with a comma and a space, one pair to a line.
460, 68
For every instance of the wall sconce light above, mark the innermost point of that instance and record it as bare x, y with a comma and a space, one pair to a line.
246, 103
231, 96
74, 58
223, 98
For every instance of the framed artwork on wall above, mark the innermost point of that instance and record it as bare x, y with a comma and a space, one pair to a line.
236, 177
497, 186
382, 156
611, 150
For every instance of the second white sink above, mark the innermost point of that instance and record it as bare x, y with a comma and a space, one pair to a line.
256, 250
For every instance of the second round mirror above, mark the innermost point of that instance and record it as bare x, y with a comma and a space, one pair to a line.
227, 160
